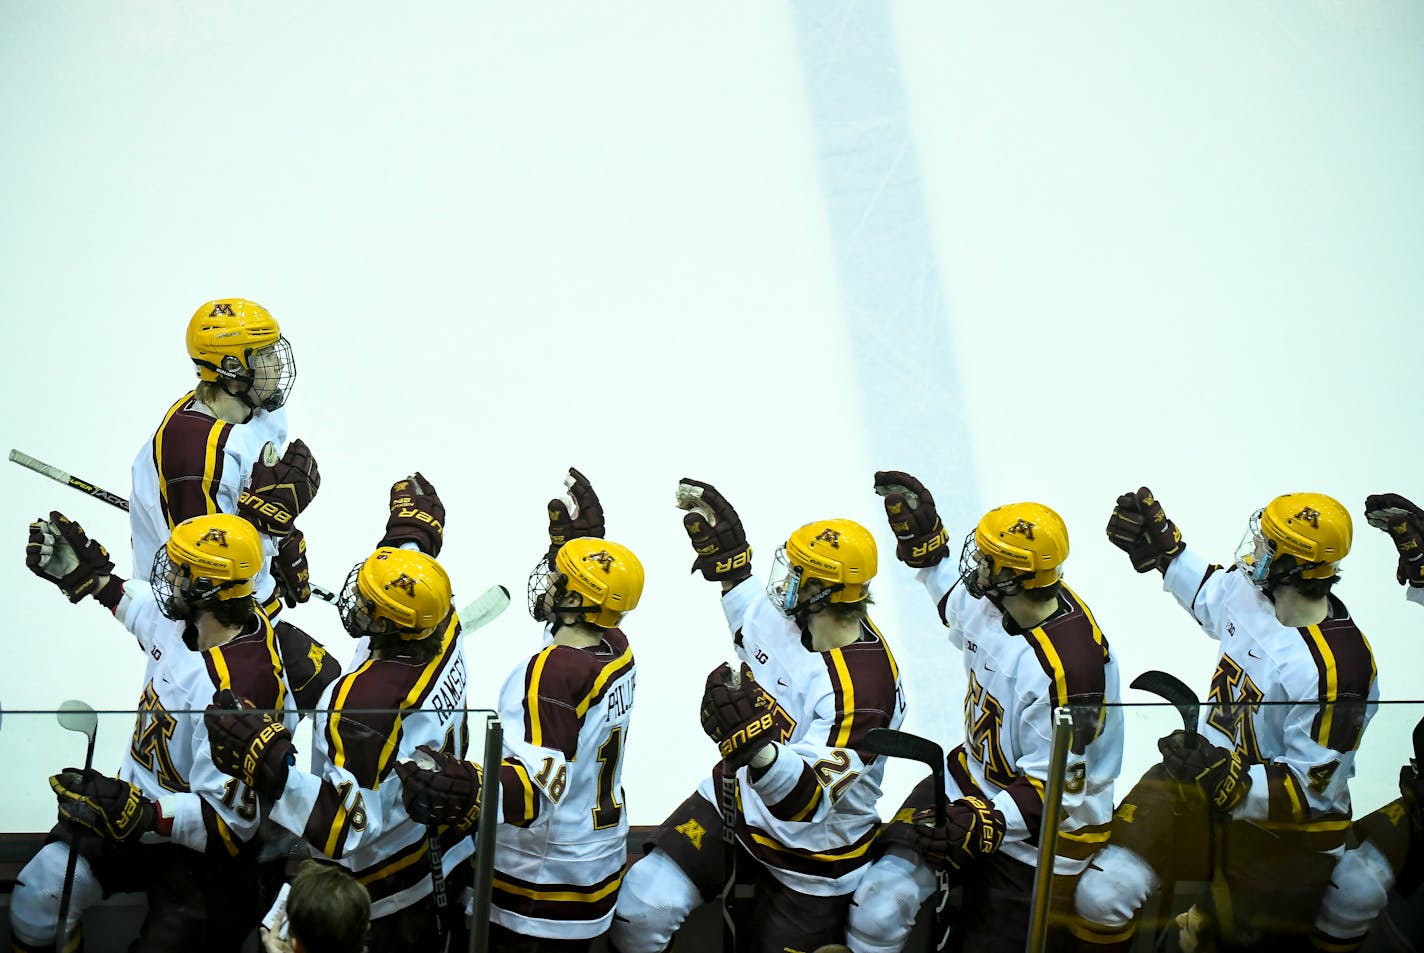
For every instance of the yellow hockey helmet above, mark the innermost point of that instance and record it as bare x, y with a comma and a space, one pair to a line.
395, 591
233, 339
1015, 547
839, 553
208, 559
1311, 527
605, 574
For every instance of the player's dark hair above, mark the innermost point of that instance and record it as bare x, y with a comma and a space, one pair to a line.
420, 651
328, 910
234, 611
1282, 574
1046, 593
850, 611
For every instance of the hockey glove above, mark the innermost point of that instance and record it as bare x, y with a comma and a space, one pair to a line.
59, 552
1139, 528
972, 829
716, 533
280, 490
585, 520
290, 571
439, 788
249, 745
1404, 522
738, 714
920, 535
113, 809
417, 515
1220, 772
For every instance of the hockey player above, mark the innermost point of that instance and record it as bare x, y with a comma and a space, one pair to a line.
816, 675
1390, 849
216, 449
562, 839
1256, 800
408, 691
169, 824
1030, 645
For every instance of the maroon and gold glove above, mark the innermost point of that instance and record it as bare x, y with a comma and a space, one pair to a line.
59, 552
585, 520
1139, 528
290, 570
737, 713
1220, 772
439, 788
972, 829
716, 533
113, 809
417, 515
1404, 522
920, 535
280, 490
249, 745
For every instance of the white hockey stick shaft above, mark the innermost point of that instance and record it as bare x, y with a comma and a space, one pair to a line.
484, 609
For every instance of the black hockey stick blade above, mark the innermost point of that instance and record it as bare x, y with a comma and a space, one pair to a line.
1173, 689
902, 744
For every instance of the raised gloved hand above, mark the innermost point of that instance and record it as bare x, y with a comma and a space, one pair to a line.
290, 570
1404, 522
439, 788
1222, 773
1139, 528
716, 533
921, 539
586, 518
249, 745
737, 713
972, 829
59, 552
417, 515
280, 490
113, 809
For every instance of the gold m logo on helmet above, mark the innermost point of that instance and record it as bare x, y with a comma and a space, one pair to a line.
1309, 515
1022, 528
604, 559
221, 310
214, 535
404, 583
829, 535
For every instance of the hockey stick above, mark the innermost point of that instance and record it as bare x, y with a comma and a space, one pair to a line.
74, 716
902, 744
113, 499
436, 855
730, 908
484, 609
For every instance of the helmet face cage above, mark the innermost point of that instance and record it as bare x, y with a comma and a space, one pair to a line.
179, 595
358, 614
1255, 552
546, 586
976, 571
270, 373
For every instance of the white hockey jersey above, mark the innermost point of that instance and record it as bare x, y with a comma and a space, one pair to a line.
376, 715
1294, 702
1016, 678
168, 758
563, 841
192, 465
811, 817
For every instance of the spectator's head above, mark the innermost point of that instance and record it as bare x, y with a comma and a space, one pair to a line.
327, 911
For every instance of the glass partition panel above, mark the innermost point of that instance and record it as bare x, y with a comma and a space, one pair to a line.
1232, 834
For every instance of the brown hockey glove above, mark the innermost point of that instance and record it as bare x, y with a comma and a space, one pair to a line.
716, 533
585, 520
1139, 528
290, 571
417, 515
59, 552
737, 713
280, 490
113, 809
1220, 772
1404, 522
249, 745
921, 539
439, 788
972, 829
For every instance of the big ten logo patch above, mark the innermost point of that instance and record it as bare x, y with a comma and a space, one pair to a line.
1022, 528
